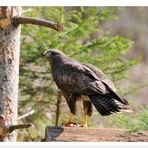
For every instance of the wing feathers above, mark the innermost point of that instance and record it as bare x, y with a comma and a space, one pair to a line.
106, 105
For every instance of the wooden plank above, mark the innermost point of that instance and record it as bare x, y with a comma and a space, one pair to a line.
75, 134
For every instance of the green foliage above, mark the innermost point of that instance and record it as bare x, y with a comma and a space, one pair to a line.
82, 39
135, 122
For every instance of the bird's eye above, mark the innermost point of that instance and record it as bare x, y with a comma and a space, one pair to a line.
54, 53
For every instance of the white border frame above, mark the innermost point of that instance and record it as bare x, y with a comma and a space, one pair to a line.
75, 145
74, 2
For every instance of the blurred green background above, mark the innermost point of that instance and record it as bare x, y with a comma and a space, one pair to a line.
111, 38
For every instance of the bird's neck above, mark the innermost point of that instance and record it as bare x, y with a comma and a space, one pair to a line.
56, 63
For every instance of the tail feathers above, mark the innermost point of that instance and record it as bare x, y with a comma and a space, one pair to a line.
123, 107
116, 96
107, 105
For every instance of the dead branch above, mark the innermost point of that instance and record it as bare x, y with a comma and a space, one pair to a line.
29, 20
26, 115
11, 128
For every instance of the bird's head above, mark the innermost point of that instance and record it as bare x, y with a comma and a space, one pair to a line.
54, 55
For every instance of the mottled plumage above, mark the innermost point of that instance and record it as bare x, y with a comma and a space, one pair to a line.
79, 81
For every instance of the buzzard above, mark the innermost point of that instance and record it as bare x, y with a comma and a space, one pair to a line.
80, 81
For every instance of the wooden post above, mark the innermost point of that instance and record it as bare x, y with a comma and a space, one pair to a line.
79, 134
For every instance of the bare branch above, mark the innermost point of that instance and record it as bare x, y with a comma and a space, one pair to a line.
11, 128
26, 115
36, 21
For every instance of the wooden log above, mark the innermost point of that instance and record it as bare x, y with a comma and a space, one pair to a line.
80, 134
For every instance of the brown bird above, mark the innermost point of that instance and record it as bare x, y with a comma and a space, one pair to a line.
79, 81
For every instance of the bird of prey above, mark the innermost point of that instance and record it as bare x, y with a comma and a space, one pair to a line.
80, 81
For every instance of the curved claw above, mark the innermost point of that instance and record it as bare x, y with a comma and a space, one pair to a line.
71, 125
74, 125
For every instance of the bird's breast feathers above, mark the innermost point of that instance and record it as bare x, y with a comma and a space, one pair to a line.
75, 78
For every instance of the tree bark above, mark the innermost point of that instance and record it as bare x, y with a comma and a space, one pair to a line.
10, 20
9, 71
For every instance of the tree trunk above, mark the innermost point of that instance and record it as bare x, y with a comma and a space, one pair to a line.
9, 71
10, 21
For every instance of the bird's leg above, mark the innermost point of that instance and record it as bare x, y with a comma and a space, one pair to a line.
88, 110
70, 121
85, 118
71, 101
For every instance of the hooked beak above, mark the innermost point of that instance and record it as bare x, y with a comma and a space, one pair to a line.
44, 53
